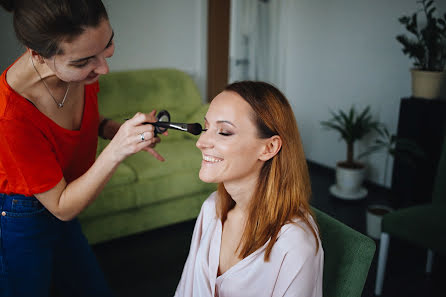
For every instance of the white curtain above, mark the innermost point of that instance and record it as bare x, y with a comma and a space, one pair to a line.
258, 40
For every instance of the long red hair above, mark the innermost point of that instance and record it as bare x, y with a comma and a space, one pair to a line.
284, 189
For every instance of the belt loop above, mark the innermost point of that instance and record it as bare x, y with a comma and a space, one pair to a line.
2, 201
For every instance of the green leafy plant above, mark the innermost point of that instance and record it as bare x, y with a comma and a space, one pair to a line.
352, 126
428, 49
406, 149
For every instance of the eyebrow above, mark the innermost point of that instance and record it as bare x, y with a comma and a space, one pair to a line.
86, 58
223, 122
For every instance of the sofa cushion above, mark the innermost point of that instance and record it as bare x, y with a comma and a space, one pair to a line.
117, 199
153, 181
123, 175
133, 221
180, 156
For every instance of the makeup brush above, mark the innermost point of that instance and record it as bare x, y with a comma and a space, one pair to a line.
194, 128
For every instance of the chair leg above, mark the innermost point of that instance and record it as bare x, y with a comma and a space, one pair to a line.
430, 261
382, 259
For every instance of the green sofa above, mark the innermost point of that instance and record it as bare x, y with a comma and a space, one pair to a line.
145, 193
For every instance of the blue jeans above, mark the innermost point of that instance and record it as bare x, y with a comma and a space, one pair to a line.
39, 252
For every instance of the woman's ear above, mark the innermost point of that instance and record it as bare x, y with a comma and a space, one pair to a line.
34, 55
272, 147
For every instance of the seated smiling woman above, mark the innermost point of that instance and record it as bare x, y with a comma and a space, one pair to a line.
255, 236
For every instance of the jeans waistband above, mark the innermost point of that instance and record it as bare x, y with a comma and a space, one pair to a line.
7, 201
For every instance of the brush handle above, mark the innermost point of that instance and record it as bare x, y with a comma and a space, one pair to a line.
177, 126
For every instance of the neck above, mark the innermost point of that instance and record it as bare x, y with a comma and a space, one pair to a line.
43, 72
241, 192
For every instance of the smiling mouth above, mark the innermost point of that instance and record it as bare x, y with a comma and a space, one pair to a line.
211, 159
92, 75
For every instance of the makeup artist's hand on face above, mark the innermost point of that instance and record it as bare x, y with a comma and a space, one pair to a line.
134, 136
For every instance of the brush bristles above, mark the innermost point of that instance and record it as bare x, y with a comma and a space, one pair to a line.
194, 128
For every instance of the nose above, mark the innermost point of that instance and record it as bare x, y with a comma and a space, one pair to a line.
102, 67
204, 141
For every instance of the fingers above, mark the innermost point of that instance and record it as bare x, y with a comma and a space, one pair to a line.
154, 153
149, 148
136, 135
155, 141
140, 118
146, 136
147, 139
152, 114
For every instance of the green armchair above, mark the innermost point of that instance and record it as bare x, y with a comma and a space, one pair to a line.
422, 225
348, 255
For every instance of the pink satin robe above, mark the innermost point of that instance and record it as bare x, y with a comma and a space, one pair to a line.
294, 269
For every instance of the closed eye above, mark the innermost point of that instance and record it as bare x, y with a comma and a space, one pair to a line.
109, 44
83, 64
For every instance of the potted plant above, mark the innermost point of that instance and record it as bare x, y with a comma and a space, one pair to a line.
352, 126
427, 49
406, 150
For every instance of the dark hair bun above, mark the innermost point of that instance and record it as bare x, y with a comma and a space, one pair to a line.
8, 5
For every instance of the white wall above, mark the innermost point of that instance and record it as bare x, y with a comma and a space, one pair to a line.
153, 33
148, 34
344, 52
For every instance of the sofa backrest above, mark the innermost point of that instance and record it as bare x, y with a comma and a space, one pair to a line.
122, 94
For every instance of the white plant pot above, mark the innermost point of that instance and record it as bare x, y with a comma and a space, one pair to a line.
349, 183
428, 84
374, 216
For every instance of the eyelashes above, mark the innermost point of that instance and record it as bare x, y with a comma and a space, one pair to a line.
110, 43
81, 65
221, 132
225, 133
85, 63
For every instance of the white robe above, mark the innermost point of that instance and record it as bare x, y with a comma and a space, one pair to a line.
294, 268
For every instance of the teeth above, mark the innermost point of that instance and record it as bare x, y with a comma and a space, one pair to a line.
211, 159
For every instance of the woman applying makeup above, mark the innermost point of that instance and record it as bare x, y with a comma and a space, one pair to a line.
255, 236
49, 125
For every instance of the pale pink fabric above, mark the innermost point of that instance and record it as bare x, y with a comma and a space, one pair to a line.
294, 269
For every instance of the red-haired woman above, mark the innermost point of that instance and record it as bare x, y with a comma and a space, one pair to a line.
255, 236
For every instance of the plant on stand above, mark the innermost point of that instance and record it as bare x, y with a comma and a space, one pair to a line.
427, 49
406, 150
352, 126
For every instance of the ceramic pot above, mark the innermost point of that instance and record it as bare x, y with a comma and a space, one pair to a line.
349, 183
428, 84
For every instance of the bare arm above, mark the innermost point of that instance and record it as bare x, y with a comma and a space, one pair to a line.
66, 201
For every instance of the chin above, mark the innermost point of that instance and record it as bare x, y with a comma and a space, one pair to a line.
207, 179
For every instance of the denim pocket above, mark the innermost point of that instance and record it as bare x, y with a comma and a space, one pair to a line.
25, 208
